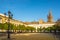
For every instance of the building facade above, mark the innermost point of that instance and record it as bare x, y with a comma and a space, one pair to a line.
40, 23
4, 19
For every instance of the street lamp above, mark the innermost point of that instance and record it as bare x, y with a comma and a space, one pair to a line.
9, 17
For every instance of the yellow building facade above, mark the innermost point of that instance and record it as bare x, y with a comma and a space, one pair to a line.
4, 19
38, 24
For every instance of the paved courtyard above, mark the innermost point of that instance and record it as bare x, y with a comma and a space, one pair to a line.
30, 36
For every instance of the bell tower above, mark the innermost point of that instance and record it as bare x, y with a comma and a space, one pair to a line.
50, 17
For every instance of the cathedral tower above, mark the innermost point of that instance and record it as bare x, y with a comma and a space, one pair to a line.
50, 17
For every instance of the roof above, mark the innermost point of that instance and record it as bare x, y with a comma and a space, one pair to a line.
2, 14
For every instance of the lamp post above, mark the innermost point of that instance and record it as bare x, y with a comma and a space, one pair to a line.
9, 17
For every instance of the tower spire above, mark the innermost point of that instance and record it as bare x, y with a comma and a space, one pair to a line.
50, 13
50, 17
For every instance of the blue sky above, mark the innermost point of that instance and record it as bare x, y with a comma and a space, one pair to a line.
31, 10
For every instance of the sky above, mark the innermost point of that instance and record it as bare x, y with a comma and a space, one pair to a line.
31, 10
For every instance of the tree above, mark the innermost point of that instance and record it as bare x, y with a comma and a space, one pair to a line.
5, 26
30, 29
21, 28
39, 29
1, 26
57, 25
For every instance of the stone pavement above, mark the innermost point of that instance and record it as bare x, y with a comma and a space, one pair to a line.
31, 36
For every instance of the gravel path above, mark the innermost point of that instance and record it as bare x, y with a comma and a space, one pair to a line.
31, 36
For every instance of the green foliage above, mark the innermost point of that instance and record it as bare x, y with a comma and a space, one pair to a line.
1, 26
28, 28
5, 26
39, 29
14, 27
21, 27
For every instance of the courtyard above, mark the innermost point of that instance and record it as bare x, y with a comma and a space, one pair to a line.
30, 36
